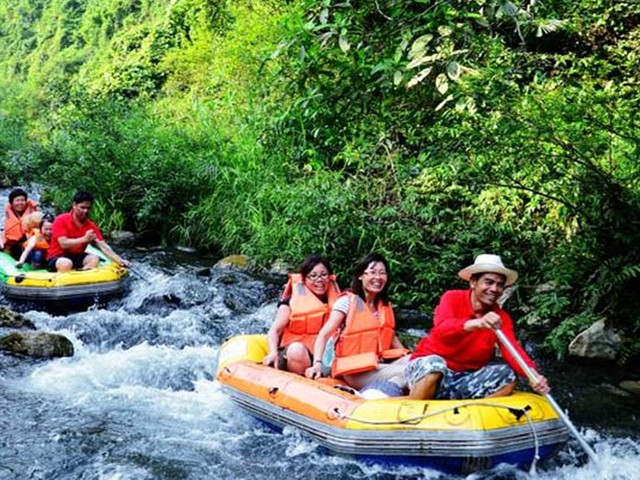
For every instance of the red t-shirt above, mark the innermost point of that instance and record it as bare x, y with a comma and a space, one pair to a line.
65, 226
462, 350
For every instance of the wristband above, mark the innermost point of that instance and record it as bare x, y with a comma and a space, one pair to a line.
317, 361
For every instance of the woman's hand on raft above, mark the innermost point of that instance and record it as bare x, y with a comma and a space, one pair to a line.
270, 359
314, 371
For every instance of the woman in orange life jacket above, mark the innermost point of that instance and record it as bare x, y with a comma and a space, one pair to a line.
367, 351
38, 227
13, 235
303, 309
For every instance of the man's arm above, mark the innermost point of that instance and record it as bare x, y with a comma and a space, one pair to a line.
110, 254
68, 243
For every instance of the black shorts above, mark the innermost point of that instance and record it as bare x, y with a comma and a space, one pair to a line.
282, 358
15, 250
78, 261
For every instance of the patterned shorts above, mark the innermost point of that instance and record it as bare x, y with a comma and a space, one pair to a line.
460, 385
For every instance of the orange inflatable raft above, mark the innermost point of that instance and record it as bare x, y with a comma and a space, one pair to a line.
456, 436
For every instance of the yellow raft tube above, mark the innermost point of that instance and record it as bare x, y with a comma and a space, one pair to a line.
69, 289
456, 436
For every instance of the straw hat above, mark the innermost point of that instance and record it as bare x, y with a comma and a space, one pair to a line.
486, 263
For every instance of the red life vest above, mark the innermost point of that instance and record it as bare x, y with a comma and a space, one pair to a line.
308, 312
364, 340
41, 242
13, 230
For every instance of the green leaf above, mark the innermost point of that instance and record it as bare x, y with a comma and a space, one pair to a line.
445, 30
344, 44
324, 16
418, 48
419, 61
419, 77
442, 84
444, 102
454, 70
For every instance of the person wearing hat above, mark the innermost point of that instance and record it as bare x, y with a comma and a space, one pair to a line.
453, 360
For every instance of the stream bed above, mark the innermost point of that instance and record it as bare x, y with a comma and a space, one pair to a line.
138, 400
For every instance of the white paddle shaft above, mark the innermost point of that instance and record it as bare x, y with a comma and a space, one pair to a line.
531, 375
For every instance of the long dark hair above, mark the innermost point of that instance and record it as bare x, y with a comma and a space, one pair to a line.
310, 262
356, 283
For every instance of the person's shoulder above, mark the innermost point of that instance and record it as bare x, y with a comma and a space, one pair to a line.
455, 295
91, 223
62, 218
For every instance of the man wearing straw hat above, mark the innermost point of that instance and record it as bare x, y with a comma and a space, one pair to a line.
453, 360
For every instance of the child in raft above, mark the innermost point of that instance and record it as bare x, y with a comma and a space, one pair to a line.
38, 228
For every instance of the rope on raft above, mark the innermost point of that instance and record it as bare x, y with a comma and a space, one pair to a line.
518, 412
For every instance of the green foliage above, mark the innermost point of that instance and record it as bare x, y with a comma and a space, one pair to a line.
429, 131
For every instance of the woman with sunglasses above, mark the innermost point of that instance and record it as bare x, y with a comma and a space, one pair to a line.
367, 351
303, 309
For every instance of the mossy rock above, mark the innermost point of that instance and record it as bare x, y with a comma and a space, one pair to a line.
11, 319
37, 345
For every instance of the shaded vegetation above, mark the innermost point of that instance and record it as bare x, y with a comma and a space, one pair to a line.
428, 130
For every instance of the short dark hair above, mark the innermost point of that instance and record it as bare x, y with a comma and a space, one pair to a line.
356, 283
17, 192
82, 196
310, 263
46, 218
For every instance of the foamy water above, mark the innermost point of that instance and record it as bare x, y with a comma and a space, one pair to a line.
138, 400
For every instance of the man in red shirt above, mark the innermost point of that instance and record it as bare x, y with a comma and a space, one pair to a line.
452, 361
72, 232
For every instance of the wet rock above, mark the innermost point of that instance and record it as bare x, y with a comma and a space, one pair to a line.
241, 262
235, 302
37, 344
632, 386
245, 298
279, 268
597, 342
408, 317
204, 272
153, 248
185, 249
11, 319
122, 238
613, 390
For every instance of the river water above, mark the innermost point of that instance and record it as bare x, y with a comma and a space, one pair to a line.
138, 400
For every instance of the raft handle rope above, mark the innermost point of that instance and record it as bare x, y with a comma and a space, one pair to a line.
517, 412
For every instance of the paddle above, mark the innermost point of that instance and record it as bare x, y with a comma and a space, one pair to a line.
531, 375
139, 275
169, 297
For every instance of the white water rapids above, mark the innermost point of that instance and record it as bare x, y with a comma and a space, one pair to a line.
138, 400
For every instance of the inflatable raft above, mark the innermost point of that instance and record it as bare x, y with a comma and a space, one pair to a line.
456, 436
66, 290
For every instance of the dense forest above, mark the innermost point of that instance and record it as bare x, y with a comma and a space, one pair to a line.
428, 130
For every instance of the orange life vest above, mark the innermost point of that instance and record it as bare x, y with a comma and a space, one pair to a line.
41, 242
308, 312
364, 340
13, 230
